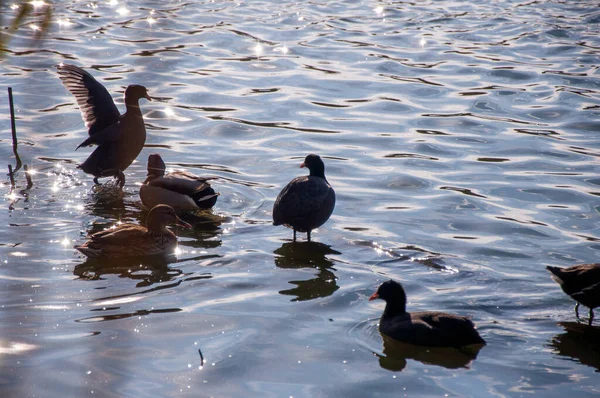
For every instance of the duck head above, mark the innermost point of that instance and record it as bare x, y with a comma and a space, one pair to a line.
134, 93
162, 215
156, 166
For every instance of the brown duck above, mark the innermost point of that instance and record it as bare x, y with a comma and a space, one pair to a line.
306, 202
582, 283
422, 328
120, 138
181, 190
130, 240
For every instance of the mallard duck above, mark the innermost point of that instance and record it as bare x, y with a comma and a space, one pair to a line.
179, 189
120, 138
582, 283
130, 240
306, 202
422, 328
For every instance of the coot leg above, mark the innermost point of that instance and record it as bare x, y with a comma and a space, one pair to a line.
294, 235
308, 235
120, 178
591, 316
96, 181
577, 310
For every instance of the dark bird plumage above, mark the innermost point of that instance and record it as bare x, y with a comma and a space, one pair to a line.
131, 240
582, 283
306, 202
181, 190
120, 138
422, 328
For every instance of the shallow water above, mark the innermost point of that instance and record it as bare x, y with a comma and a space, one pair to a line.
462, 140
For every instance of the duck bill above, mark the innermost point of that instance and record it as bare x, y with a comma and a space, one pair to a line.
374, 296
148, 97
180, 223
303, 165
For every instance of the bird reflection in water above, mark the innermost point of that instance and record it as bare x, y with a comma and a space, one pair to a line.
205, 232
106, 203
147, 271
395, 354
298, 255
580, 342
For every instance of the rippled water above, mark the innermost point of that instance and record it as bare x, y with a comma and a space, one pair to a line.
462, 140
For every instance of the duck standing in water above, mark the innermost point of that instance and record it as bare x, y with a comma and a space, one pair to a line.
181, 190
582, 283
437, 329
306, 202
120, 138
131, 240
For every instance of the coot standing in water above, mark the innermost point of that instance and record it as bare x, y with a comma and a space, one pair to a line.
582, 283
306, 202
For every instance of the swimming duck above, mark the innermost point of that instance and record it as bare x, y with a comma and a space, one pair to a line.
120, 138
131, 240
178, 189
422, 328
582, 283
306, 202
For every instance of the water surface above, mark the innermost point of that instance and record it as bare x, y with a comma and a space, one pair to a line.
461, 139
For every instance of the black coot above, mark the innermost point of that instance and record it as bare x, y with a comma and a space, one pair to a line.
306, 202
422, 328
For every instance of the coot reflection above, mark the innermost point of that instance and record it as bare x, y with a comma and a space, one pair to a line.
308, 255
580, 342
397, 352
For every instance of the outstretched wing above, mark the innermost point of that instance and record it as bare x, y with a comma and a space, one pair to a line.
103, 137
97, 107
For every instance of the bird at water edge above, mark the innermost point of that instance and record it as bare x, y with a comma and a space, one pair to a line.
131, 240
306, 202
120, 138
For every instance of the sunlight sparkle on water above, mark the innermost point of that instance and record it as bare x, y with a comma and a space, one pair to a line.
65, 242
150, 19
113, 2
64, 22
258, 49
12, 196
284, 49
122, 11
37, 3
169, 112
379, 11
14, 6
422, 42
34, 27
